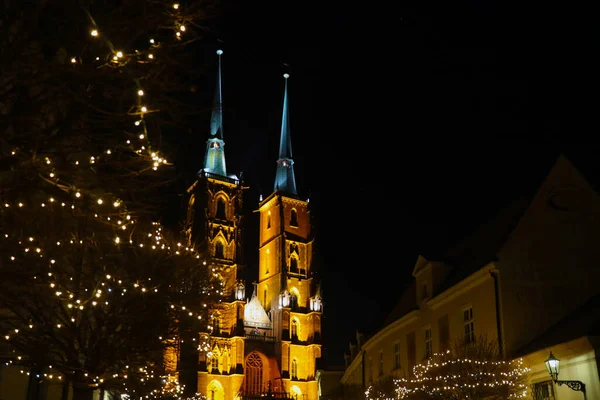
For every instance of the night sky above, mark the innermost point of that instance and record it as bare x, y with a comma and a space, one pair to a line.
409, 126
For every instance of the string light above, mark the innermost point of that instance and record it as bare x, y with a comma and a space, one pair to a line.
451, 377
71, 198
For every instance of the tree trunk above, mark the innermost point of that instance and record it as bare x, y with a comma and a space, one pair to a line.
66, 386
34, 391
82, 392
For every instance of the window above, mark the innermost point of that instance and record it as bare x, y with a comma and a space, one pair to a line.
219, 251
294, 218
370, 370
217, 324
424, 293
268, 219
397, 355
428, 344
254, 374
542, 391
294, 265
294, 329
215, 362
381, 363
294, 369
469, 326
265, 299
190, 210
221, 209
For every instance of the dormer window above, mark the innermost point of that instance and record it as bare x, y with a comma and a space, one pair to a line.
215, 145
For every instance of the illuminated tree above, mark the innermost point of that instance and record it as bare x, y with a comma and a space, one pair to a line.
474, 370
94, 97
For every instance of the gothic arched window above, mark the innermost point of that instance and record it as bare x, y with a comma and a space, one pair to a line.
294, 329
265, 299
219, 250
294, 369
190, 210
221, 209
294, 218
293, 264
254, 375
217, 324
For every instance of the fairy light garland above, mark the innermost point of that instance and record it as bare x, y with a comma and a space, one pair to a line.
446, 376
71, 198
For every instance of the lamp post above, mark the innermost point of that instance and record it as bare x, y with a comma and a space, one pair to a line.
552, 364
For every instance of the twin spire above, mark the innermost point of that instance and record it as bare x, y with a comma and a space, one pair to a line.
214, 158
284, 177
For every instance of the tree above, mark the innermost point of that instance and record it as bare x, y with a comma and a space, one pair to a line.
474, 370
94, 98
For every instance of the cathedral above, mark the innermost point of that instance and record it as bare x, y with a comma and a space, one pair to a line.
264, 337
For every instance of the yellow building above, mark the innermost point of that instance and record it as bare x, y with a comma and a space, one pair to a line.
527, 280
265, 337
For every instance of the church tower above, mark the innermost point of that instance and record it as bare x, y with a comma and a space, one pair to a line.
265, 340
286, 286
214, 227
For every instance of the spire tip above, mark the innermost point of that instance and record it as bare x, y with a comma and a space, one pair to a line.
219, 52
286, 76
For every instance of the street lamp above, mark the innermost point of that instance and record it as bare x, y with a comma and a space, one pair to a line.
552, 364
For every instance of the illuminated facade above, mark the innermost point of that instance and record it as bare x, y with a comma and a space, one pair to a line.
265, 336
527, 280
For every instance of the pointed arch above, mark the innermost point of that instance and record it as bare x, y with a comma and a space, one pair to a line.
190, 210
216, 322
296, 392
221, 208
226, 362
295, 328
294, 217
294, 369
219, 249
214, 365
254, 374
295, 300
294, 264
215, 391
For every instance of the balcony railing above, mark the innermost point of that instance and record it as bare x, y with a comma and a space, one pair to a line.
260, 338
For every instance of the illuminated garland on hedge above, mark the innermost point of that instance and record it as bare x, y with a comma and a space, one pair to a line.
443, 376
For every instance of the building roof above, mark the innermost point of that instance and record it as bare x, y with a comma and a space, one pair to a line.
482, 246
585, 321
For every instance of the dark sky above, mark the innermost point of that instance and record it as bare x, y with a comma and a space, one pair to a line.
409, 125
